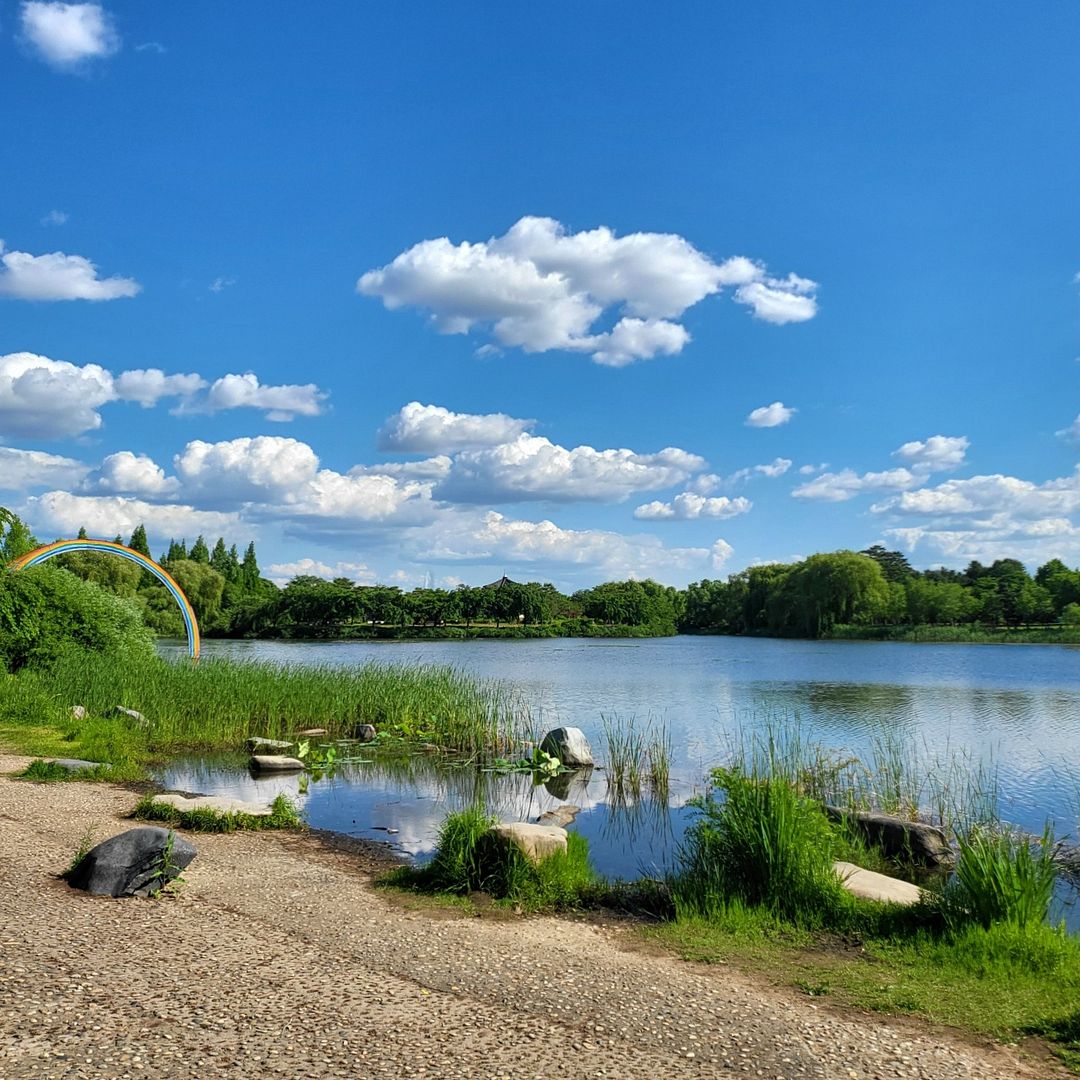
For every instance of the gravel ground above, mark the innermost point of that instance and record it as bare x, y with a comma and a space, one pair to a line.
277, 958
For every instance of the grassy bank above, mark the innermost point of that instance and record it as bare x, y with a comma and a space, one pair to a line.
217, 704
979, 635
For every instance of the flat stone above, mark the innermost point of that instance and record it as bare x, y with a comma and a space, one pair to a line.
871, 885
569, 745
312, 732
536, 842
77, 764
132, 714
275, 763
561, 816
219, 803
138, 862
257, 742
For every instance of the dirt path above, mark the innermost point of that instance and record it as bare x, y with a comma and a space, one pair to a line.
277, 958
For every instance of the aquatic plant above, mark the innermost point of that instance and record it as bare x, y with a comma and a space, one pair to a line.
283, 815
636, 758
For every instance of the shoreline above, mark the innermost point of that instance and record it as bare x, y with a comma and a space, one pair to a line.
278, 957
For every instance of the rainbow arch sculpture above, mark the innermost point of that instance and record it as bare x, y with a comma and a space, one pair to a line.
63, 547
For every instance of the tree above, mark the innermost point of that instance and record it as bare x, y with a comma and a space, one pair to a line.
894, 565
825, 590
200, 553
15, 537
138, 541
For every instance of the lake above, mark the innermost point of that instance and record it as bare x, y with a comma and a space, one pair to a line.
1014, 707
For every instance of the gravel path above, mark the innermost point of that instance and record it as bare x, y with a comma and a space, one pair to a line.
276, 958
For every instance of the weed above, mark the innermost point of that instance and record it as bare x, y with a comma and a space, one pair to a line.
86, 843
283, 815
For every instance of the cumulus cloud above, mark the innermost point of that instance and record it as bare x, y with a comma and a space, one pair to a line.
532, 467
265, 468
60, 513
49, 399
770, 415
57, 276
283, 573
148, 386
55, 217
1070, 433
131, 474
23, 470
281, 403
939, 453
425, 429
434, 468
990, 496
66, 35
688, 506
539, 287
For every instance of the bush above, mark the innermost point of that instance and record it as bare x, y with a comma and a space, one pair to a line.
45, 610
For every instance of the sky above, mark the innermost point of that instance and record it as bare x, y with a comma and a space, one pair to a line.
429, 293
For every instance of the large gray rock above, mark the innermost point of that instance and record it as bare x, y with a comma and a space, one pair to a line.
259, 744
914, 841
570, 746
139, 862
536, 842
366, 733
275, 763
870, 885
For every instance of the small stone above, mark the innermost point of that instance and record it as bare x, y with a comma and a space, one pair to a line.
275, 763
78, 712
257, 743
312, 732
366, 733
77, 764
131, 714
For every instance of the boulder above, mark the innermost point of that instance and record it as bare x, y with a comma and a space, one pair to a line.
132, 714
139, 862
366, 733
536, 842
77, 764
871, 885
257, 743
914, 841
312, 732
275, 763
78, 712
561, 816
570, 746
221, 804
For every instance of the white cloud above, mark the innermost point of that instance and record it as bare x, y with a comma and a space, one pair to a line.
532, 467
148, 386
770, 415
282, 403
688, 506
775, 468
539, 288
220, 284
262, 469
57, 276
62, 513
417, 428
939, 453
49, 399
434, 468
846, 484
1070, 433
21, 470
131, 474
987, 496
55, 217
283, 573
810, 470
68, 34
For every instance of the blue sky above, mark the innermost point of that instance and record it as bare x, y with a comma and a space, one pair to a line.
571, 292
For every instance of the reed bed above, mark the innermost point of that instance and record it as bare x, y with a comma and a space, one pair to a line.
220, 703
637, 760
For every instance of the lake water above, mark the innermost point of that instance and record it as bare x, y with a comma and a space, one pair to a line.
1016, 707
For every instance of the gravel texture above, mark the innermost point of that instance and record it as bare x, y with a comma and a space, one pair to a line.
276, 958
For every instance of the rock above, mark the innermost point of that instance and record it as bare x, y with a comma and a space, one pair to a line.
312, 732
569, 745
871, 885
912, 840
561, 816
257, 743
366, 733
536, 842
119, 710
138, 862
275, 763
213, 802
78, 712
77, 764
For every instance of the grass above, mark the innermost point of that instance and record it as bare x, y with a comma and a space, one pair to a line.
469, 859
49, 772
283, 815
219, 704
636, 758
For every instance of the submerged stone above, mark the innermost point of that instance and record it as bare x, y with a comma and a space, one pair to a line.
561, 816
138, 862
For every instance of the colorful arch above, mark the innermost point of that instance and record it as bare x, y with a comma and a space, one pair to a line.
63, 547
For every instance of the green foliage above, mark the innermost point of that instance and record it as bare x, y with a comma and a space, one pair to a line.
45, 610
48, 772
283, 815
15, 538
1003, 877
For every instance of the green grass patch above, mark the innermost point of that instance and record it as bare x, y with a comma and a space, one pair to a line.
469, 859
283, 815
49, 772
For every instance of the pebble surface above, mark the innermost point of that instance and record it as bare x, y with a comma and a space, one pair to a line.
276, 958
